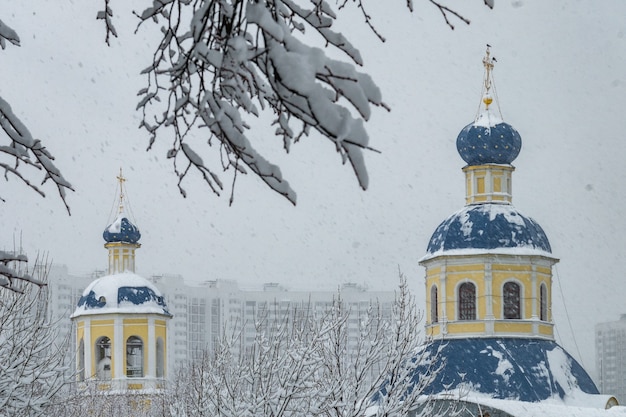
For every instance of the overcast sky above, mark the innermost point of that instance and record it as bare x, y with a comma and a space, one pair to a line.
561, 81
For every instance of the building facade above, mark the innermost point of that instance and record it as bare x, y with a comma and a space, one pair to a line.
611, 357
203, 313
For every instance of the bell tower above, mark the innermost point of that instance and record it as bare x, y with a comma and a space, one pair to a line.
121, 319
488, 266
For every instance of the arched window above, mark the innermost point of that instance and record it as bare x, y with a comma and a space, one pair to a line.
134, 357
81, 360
160, 358
467, 301
434, 314
103, 358
543, 303
511, 297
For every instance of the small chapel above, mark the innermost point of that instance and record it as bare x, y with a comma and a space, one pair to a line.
488, 292
121, 319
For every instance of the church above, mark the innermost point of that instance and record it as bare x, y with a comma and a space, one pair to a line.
490, 348
489, 295
121, 320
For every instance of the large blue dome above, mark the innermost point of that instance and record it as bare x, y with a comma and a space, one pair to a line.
488, 226
121, 230
505, 368
488, 140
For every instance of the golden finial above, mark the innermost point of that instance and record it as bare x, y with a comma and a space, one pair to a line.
121, 179
488, 62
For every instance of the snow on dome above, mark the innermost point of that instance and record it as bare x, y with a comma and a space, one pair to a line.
121, 230
488, 140
489, 227
121, 293
521, 369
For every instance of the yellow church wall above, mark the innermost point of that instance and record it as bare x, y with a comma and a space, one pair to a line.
98, 329
480, 185
433, 330
466, 327
80, 335
546, 330
470, 267
454, 279
458, 269
512, 327
508, 267
450, 309
521, 274
497, 184
160, 330
80, 331
435, 271
430, 281
544, 270
136, 327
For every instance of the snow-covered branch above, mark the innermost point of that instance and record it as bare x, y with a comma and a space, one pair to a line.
219, 62
14, 272
32, 368
8, 34
24, 152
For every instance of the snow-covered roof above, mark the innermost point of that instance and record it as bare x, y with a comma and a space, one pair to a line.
121, 293
121, 230
520, 369
488, 140
496, 407
488, 227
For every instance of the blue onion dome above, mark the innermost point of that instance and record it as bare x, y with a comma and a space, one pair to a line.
121, 230
488, 140
121, 293
489, 227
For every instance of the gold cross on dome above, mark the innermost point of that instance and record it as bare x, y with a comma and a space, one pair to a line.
488, 63
121, 179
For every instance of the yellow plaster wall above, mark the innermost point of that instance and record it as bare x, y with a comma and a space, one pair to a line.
137, 327
472, 267
466, 273
546, 330
522, 274
497, 184
80, 334
430, 281
466, 327
544, 270
501, 271
98, 329
547, 282
502, 267
433, 330
512, 327
434, 271
80, 331
160, 330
